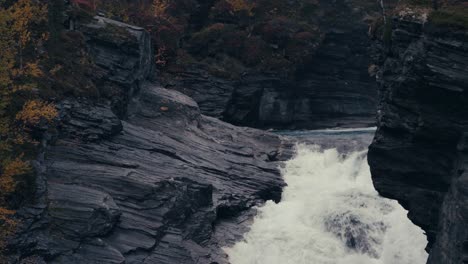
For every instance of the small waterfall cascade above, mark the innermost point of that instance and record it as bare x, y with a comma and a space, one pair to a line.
330, 212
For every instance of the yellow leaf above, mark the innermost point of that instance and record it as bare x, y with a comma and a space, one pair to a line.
36, 110
34, 70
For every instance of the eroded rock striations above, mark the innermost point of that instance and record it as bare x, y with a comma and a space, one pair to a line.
123, 54
419, 154
164, 185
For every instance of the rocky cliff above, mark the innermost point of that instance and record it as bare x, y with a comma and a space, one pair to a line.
142, 176
335, 89
419, 154
327, 85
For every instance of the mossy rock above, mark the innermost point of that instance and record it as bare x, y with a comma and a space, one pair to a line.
115, 34
450, 17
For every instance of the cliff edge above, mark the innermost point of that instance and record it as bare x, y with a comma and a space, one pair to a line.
142, 176
419, 154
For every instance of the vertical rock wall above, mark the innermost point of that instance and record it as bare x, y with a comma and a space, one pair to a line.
332, 88
419, 152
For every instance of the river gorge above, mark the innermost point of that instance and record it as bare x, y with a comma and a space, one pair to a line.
356, 157
330, 211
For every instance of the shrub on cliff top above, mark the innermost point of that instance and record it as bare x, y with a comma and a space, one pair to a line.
242, 6
224, 26
255, 50
206, 41
451, 16
36, 111
451, 13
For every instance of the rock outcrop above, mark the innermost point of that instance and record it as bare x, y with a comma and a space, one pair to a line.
123, 54
166, 184
335, 88
419, 152
330, 88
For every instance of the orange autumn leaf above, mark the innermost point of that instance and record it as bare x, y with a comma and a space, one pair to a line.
10, 170
159, 7
7, 228
239, 5
36, 110
34, 70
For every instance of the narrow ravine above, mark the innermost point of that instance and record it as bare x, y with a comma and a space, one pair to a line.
330, 212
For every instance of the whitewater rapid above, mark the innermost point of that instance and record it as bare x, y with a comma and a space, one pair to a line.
330, 213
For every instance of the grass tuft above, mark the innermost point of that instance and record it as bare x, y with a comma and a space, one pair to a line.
451, 17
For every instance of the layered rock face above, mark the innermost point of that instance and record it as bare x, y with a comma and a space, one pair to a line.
335, 89
123, 54
331, 89
164, 185
419, 152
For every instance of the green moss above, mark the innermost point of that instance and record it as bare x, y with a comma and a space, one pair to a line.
115, 34
70, 67
309, 9
210, 33
452, 17
368, 5
422, 3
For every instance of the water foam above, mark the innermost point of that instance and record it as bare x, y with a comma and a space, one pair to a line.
330, 214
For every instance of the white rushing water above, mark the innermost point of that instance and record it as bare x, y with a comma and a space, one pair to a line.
330, 214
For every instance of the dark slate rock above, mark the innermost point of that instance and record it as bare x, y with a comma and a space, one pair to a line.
124, 54
331, 89
87, 121
213, 94
81, 212
123, 50
141, 176
93, 252
154, 193
417, 155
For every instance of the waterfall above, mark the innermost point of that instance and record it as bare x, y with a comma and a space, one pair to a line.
330, 214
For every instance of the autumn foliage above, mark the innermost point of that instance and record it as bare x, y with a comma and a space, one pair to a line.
23, 27
7, 228
242, 5
90, 4
35, 111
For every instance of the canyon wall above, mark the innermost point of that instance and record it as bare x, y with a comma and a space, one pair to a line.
142, 176
327, 86
419, 154
147, 174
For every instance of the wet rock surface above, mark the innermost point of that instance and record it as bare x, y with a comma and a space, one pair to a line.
161, 190
417, 156
141, 175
